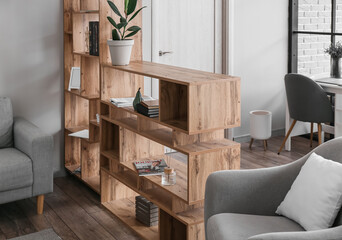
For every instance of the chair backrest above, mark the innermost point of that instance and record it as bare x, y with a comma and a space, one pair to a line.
307, 101
6, 123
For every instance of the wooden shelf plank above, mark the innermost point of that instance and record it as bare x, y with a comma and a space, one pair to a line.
111, 154
78, 93
209, 146
94, 122
86, 12
76, 128
84, 54
169, 73
124, 209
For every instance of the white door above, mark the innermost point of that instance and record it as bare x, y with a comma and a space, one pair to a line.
184, 33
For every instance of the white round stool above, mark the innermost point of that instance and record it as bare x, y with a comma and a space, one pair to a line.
260, 126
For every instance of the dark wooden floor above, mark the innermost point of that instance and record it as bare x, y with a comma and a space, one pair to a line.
74, 211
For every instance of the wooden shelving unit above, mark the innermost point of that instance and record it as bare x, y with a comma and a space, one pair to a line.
81, 106
195, 108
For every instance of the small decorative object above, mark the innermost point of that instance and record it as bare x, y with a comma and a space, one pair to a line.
169, 177
97, 118
75, 78
335, 51
121, 47
137, 99
260, 126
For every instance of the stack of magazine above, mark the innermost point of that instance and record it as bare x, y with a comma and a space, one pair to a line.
149, 108
146, 212
150, 167
127, 102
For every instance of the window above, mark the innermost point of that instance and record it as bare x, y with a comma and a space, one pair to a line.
313, 25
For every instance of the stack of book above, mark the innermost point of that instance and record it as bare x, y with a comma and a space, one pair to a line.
146, 212
149, 108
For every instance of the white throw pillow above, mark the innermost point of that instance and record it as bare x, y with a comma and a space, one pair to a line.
315, 196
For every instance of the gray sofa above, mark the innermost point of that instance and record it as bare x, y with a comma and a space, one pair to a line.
241, 204
25, 158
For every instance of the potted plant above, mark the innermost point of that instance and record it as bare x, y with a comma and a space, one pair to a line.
120, 45
335, 52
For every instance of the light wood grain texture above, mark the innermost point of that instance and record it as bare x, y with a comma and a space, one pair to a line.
76, 111
67, 22
40, 204
90, 159
134, 146
170, 228
214, 106
72, 150
68, 59
196, 232
106, 31
124, 209
89, 5
80, 26
178, 75
180, 138
90, 77
201, 166
129, 84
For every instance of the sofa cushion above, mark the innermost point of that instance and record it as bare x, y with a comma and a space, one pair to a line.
15, 169
6, 123
232, 226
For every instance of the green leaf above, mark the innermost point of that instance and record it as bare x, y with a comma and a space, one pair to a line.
126, 5
111, 20
131, 6
115, 35
123, 20
135, 14
132, 34
114, 8
133, 28
121, 25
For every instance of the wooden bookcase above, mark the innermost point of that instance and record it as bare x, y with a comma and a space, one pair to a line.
195, 108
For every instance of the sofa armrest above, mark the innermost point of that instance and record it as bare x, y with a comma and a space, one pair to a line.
334, 233
257, 192
30, 140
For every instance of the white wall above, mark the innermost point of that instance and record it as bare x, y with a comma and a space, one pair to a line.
259, 57
31, 64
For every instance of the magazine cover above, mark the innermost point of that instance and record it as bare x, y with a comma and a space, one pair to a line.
150, 167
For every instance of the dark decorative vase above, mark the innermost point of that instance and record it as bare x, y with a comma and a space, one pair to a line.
336, 68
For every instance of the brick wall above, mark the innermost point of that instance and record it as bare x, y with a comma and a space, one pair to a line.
315, 15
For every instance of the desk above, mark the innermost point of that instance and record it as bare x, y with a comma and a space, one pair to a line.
330, 85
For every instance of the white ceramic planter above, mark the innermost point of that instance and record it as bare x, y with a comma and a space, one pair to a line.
120, 51
260, 124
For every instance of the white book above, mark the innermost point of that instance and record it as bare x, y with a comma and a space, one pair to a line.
75, 78
127, 102
81, 134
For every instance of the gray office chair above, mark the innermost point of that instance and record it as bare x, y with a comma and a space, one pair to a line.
307, 102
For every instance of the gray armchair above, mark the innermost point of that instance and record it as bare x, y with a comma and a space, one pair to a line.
241, 204
25, 159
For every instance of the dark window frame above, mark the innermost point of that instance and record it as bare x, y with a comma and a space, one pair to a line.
294, 33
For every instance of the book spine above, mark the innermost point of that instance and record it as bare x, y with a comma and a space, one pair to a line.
96, 37
91, 34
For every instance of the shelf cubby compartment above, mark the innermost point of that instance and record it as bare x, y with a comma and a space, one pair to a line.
90, 164
80, 28
125, 118
72, 153
76, 112
121, 202
173, 103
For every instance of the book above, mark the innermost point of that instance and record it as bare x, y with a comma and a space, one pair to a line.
81, 134
147, 112
94, 38
150, 167
126, 102
151, 104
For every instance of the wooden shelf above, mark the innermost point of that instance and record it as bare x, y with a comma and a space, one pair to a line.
94, 122
76, 128
68, 32
124, 209
79, 94
169, 73
84, 54
86, 12
208, 146
111, 154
